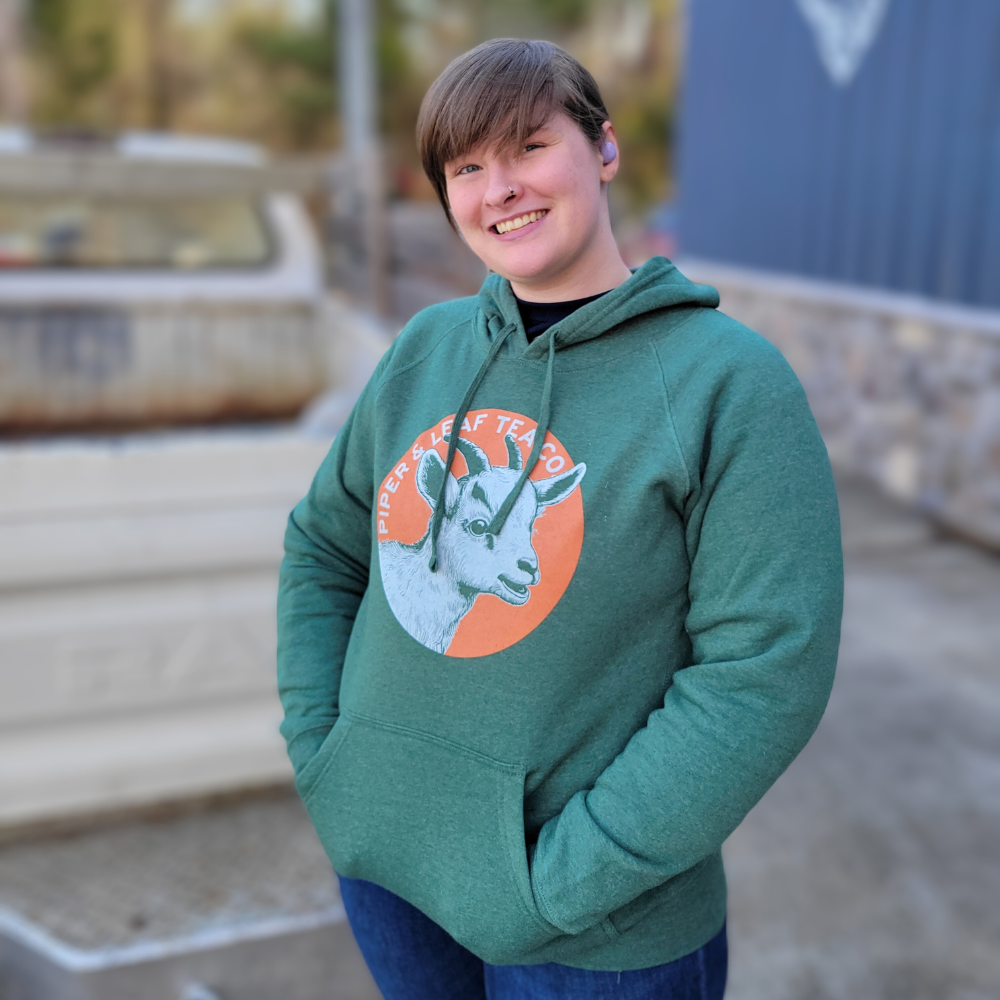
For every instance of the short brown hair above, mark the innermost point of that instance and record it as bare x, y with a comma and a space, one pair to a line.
501, 92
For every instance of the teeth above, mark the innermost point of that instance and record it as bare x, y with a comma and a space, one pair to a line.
511, 224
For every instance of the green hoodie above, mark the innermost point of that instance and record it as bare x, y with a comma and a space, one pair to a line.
616, 657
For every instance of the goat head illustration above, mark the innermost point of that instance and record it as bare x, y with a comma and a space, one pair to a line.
471, 559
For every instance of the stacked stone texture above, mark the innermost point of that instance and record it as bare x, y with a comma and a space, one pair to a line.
906, 393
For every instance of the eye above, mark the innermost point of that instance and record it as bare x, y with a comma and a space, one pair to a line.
467, 169
478, 527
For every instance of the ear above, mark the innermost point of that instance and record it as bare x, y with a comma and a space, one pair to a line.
555, 489
609, 169
430, 472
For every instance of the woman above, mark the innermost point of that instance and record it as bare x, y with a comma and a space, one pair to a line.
564, 598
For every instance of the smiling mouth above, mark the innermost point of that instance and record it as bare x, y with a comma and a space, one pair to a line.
514, 588
509, 225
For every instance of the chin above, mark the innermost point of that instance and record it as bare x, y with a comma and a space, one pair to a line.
524, 266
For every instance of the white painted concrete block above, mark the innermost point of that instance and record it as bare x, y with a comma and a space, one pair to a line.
137, 588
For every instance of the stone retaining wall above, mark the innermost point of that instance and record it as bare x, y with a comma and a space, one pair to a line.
906, 391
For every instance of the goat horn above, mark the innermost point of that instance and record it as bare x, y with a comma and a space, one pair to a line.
513, 453
474, 456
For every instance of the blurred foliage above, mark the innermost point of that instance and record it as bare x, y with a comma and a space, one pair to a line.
298, 62
252, 69
75, 44
101, 64
639, 84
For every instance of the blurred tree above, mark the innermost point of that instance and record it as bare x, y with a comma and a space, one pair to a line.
103, 64
13, 82
400, 92
265, 71
298, 62
632, 48
160, 86
524, 18
75, 44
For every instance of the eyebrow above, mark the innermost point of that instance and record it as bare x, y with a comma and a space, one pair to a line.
478, 493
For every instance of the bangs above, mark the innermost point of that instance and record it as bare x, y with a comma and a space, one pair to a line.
501, 108
499, 94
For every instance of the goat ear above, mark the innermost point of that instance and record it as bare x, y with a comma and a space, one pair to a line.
430, 470
555, 489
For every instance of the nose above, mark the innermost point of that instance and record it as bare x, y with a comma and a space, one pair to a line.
503, 189
528, 566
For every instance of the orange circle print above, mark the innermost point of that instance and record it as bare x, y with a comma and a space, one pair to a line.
494, 583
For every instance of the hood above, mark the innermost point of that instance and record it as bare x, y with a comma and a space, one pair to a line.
655, 285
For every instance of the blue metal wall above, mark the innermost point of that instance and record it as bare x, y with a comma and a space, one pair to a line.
892, 181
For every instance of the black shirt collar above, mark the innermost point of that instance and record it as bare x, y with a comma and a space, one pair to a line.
539, 316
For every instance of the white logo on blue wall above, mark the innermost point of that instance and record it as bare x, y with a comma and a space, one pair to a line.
844, 30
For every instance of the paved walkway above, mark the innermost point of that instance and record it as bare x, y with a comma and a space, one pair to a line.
871, 871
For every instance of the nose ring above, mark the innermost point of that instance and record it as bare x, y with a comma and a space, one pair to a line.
511, 190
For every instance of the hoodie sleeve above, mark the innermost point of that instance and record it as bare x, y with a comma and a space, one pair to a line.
765, 599
323, 578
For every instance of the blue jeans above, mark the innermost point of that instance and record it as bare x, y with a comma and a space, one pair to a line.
412, 958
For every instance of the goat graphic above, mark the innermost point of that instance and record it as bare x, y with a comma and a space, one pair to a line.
471, 561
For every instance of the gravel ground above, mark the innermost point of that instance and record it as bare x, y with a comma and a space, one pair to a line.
871, 871
158, 880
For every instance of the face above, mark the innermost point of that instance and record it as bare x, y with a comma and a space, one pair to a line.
532, 214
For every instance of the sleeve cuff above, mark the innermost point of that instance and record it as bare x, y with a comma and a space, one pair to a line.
303, 747
580, 875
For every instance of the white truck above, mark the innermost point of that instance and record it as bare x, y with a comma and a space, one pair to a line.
152, 279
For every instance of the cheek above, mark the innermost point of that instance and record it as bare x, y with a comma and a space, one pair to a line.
584, 188
465, 206
576, 189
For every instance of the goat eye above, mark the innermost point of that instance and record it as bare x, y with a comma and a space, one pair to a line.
478, 527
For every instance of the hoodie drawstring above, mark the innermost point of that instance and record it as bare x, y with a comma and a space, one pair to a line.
541, 429
438, 516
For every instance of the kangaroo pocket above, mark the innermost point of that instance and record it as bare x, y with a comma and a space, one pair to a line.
435, 823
